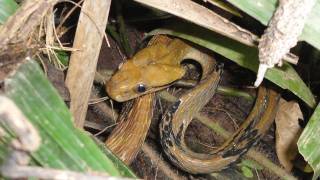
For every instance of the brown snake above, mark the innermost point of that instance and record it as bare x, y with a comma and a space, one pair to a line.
156, 67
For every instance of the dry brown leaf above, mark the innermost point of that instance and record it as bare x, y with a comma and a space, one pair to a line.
287, 132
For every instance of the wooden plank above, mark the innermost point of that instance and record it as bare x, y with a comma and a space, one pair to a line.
89, 35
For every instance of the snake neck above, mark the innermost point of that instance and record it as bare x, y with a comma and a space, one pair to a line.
183, 51
129, 135
207, 63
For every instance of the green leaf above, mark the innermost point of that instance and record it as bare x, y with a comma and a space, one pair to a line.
247, 172
63, 57
7, 8
285, 77
262, 10
308, 143
251, 164
63, 146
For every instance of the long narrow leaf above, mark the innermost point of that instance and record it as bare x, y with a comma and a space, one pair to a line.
262, 10
309, 143
285, 77
63, 146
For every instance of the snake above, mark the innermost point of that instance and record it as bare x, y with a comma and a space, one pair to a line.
157, 67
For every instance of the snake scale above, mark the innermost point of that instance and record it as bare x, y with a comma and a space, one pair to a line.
158, 66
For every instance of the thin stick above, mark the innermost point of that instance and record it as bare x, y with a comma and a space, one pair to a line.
104, 129
102, 32
99, 100
69, 14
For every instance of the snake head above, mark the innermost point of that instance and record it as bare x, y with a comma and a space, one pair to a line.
135, 79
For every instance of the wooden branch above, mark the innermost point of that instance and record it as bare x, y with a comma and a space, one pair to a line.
89, 35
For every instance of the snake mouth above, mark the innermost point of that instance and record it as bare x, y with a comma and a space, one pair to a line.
122, 96
118, 96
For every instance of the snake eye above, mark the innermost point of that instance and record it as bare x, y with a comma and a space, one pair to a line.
141, 88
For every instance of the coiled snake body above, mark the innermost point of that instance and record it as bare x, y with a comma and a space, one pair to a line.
156, 67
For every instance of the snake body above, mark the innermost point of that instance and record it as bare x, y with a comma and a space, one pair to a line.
156, 67
179, 115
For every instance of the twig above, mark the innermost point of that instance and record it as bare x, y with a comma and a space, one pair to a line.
103, 107
99, 100
100, 31
104, 129
94, 125
229, 115
68, 15
60, 48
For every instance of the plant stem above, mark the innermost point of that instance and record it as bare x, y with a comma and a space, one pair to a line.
234, 92
111, 30
227, 91
122, 30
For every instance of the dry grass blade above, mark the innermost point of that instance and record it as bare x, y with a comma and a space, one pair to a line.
19, 26
202, 16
